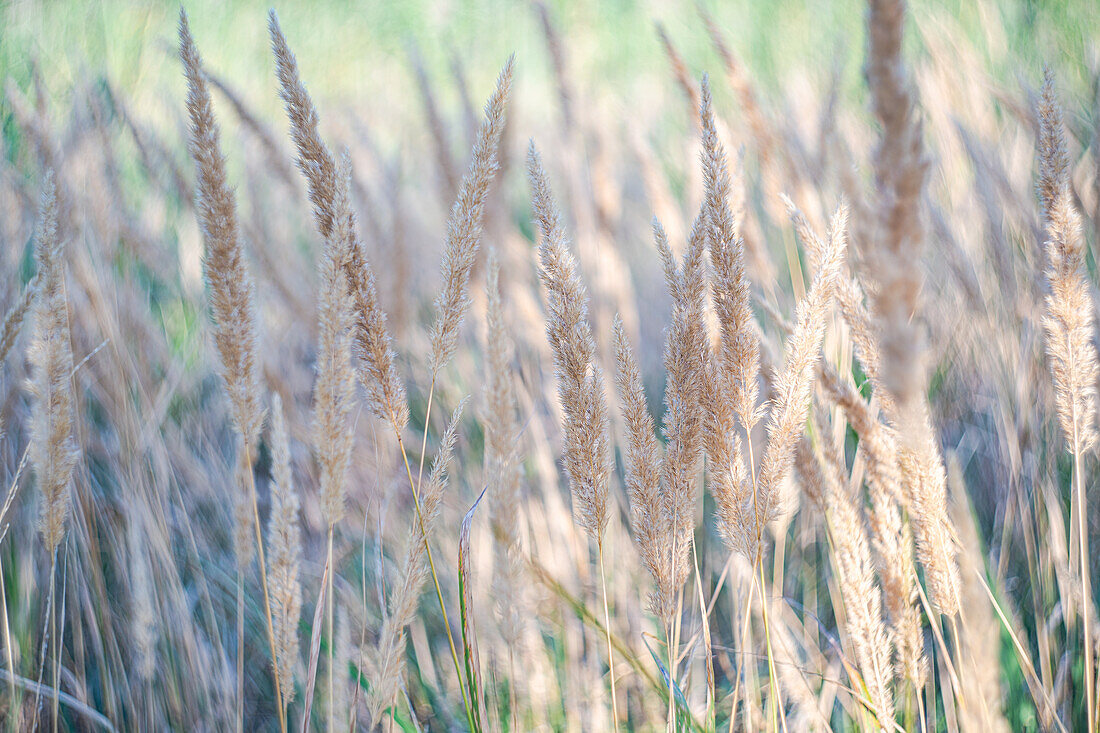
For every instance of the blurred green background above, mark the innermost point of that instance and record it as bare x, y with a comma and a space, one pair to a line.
357, 52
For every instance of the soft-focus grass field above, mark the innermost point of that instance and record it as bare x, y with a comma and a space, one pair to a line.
925, 567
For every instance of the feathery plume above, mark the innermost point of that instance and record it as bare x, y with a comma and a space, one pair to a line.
643, 478
232, 293
465, 224
1071, 351
900, 165
1069, 317
580, 381
855, 571
284, 537
794, 383
314, 158
686, 347
891, 538
52, 449
244, 539
740, 346
334, 392
377, 370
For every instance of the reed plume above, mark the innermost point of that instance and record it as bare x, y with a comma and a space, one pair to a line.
740, 346
648, 517
1069, 317
464, 226
314, 158
900, 166
1069, 322
587, 443
793, 383
52, 448
686, 345
229, 282
334, 390
891, 537
587, 446
855, 570
377, 366
284, 537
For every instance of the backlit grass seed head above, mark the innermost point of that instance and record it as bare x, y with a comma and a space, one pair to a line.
686, 349
464, 226
1069, 319
730, 287
587, 444
52, 448
334, 391
648, 518
284, 539
229, 282
376, 361
794, 382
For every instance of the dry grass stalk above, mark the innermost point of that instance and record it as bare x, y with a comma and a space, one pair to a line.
341, 666
855, 570
389, 657
587, 444
730, 290
891, 537
648, 519
794, 382
284, 538
502, 462
1069, 318
900, 165
557, 60
275, 155
464, 226
679, 67
52, 449
377, 368
231, 290
334, 391
739, 79
684, 358
1069, 322
436, 126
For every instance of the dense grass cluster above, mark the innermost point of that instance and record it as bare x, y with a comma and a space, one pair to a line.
818, 458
